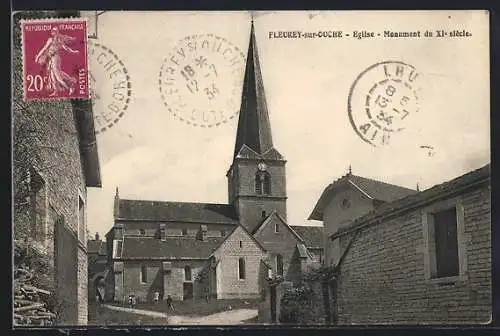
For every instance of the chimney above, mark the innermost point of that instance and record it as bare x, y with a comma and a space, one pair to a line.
163, 232
204, 230
97, 236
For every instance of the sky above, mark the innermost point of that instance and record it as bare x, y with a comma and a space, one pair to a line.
150, 154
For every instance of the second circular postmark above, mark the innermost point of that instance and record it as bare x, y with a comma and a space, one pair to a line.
381, 101
110, 86
200, 81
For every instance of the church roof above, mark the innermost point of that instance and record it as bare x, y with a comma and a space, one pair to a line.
303, 252
373, 189
254, 128
176, 212
312, 235
171, 248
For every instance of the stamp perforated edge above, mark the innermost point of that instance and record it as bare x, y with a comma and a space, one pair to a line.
22, 22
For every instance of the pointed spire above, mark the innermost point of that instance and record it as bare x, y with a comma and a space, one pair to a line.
418, 187
350, 170
254, 129
116, 193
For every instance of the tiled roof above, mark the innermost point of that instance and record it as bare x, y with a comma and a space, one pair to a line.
376, 190
177, 211
303, 253
171, 248
422, 198
312, 235
380, 190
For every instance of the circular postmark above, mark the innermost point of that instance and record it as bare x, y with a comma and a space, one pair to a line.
200, 80
381, 101
110, 86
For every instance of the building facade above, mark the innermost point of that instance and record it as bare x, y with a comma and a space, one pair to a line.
193, 250
346, 199
422, 259
63, 163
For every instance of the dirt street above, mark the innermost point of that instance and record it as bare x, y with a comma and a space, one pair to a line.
229, 317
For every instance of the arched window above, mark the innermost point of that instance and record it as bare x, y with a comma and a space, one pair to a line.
187, 273
279, 264
241, 269
142, 232
263, 183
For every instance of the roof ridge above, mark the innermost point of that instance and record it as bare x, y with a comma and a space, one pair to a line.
382, 182
173, 202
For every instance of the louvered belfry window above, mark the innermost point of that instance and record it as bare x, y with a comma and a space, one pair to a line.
263, 183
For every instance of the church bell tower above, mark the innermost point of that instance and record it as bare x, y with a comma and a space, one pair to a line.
256, 178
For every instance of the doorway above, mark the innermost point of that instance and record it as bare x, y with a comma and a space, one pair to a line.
187, 291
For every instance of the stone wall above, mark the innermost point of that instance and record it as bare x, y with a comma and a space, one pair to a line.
384, 277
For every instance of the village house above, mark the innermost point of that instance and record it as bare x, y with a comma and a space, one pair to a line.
63, 164
342, 201
421, 259
204, 250
346, 199
55, 160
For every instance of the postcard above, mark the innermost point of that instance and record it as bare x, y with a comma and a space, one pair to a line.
325, 168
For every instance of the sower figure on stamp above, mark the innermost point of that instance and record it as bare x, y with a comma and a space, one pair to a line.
49, 56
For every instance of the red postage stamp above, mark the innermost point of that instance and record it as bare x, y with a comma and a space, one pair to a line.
55, 59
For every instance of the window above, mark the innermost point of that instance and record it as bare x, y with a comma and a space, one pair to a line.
279, 265
241, 244
142, 232
276, 228
444, 252
81, 219
184, 232
223, 233
446, 243
144, 274
241, 269
263, 214
262, 183
187, 273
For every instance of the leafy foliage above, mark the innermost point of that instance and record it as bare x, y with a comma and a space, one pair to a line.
303, 302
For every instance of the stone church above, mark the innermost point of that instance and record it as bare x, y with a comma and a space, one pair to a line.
204, 250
